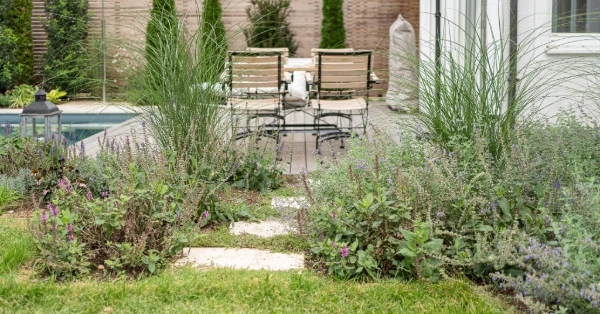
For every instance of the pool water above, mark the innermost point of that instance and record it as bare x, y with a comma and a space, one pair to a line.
75, 127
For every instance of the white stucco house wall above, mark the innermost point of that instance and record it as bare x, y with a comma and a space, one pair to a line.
575, 40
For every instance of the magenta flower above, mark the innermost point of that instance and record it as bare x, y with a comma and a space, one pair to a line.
88, 195
344, 251
53, 209
44, 217
71, 238
104, 194
334, 215
205, 214
45, 191
334, 245
70, 228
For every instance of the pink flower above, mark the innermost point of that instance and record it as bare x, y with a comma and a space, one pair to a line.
334, 215
53, 209
70, 228
334, 245
88, 195
344, 251
44, 217
45, 191
104, 194
71, 238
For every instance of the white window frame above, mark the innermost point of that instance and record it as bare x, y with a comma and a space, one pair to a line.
568, 43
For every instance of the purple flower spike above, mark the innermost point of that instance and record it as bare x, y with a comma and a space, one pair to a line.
71, 238
344, 251
44, 217
88, 195
104, 194
70, 228
53, 209
205, 214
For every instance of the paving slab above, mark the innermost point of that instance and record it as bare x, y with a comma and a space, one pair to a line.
265, 229
241, 259
291, 202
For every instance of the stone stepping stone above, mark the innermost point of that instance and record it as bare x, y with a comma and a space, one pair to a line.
252, 259
265, 229
291, 202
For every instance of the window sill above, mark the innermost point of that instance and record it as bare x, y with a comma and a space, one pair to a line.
573, 44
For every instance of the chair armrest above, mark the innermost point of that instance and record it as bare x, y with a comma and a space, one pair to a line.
288, 77
223, 77
375, 79
309, 78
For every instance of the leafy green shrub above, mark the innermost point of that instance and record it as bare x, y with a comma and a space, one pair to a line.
134, 226
10, 69
269, 26
333, 33
18, 19
4, 101
527, 220
258, 171
55, 95
65, 61
21, 96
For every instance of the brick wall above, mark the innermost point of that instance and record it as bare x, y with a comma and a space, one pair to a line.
367, 22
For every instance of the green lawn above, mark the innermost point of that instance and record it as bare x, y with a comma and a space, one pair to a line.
187, 290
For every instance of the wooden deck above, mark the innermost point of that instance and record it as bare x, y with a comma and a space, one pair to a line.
299, 148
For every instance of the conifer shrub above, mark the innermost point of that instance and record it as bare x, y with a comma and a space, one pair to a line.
65, 61
162, 24
269, 26
333, 33
213, 34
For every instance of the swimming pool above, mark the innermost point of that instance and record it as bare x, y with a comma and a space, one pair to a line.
75, 127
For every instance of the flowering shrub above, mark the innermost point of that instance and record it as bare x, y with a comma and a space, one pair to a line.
133, 226
257, 171
526, 221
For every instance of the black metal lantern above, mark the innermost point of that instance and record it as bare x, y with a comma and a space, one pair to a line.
41, 118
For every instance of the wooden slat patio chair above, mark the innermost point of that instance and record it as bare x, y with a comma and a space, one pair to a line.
260, 84
342, 82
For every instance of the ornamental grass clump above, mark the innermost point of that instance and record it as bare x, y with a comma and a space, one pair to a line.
410, 208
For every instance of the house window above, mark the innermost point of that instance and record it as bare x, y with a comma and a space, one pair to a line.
576, 16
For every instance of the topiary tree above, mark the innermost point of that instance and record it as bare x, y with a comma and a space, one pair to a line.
159, 38
270, 28
65, 61
333, 33
18, 19
214, 39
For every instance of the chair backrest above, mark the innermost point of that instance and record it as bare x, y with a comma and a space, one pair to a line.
254, 69
315, 51
343, 71
285, 52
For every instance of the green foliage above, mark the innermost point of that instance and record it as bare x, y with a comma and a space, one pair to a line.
10, 69
65, 60
17, 245
18, 19
7, 195
528, 224
333, 33
161, 40
269, 26
21, 96
55, 95
188, 289
258, 171
4, 101
213, 34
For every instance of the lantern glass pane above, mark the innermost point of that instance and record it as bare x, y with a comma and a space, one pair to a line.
54, 127
39, 125
28, 127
